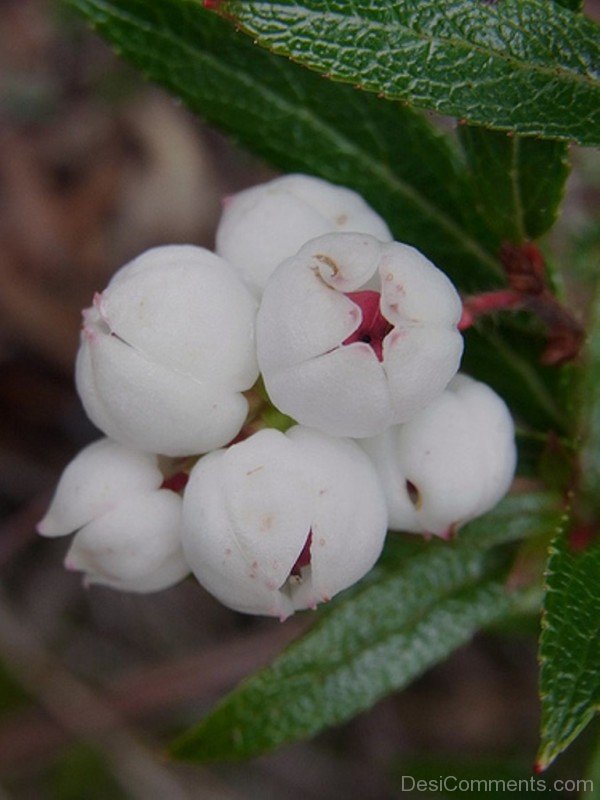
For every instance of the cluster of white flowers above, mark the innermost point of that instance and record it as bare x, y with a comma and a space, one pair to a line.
355, 337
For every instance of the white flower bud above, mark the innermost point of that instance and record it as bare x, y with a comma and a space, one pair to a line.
129, 530
336, 355
450, 463
262, 226
281, 522
166, 351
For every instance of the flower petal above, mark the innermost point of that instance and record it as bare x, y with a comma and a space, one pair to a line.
130, 542
95, 481
263, 226
149, 406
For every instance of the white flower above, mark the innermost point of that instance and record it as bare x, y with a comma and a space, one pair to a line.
167, 350
337, 356
129, 530
281, 522
451, 463
262, 226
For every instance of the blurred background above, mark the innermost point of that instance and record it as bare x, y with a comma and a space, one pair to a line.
95, 167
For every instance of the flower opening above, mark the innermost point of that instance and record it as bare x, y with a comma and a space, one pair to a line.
374, 327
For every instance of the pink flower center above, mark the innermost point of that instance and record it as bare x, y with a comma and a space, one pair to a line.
374, 327
303, 559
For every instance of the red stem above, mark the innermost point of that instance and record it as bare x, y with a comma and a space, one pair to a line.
481, 304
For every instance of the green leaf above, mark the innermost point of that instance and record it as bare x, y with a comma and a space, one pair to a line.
569, 646
530, 448
518, 182
407, 170
549, 458
573, 5
506, 356
421, 602
592, 790
570, 639
590, 419
522, 65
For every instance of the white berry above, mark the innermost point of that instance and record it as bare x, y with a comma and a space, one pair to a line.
337, 356
128, 528
282, 522
262, 226
166, 352
450, 463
